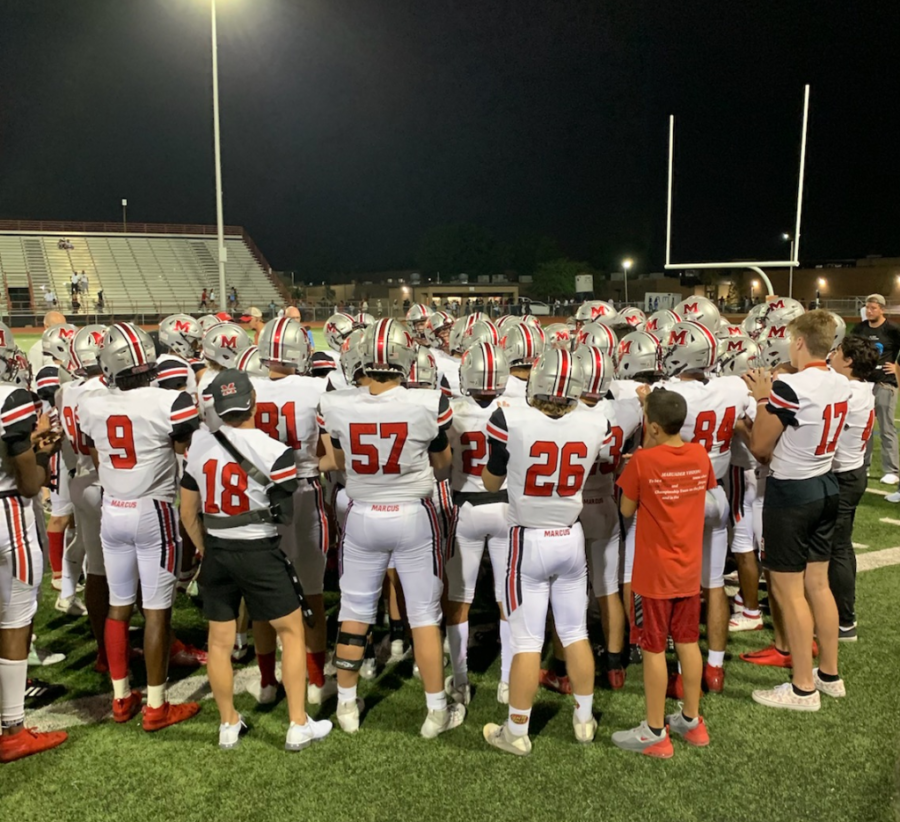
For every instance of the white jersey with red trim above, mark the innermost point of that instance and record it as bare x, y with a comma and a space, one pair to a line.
852, 443
448, 372
625, 417
67, 400
336, 381
546, 461
468, 440
206, 407
713, 408
18, 418
515, 388
133, 432
286, 411
385, 439
226, 489
813, 406
174, 370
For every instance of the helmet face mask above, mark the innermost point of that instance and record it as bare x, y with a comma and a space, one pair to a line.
283, 343
181, 334
437, 329
56, 342
737, 355
126, 350
483, 371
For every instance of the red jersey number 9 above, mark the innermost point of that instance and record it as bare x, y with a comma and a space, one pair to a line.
570, 475
365, 454
711, 437
120, 433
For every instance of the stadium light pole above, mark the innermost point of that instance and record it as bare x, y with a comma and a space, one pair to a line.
626, 266
787, 237
220, 222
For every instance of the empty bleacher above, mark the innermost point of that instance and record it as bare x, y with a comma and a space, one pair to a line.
138, 273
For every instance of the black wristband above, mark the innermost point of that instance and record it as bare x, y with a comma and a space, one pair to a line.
42, 459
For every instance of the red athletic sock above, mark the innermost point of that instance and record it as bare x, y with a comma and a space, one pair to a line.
266, 669
315, 668
117, 650
57, 546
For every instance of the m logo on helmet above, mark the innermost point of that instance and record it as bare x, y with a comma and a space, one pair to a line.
600, 311
691, 308
229, 342
182, 326
735, 331
97, 337
734, 345
228, 390
624, 347
2, 338
633, 319
777, 331
66, 333
678, 337
775, 305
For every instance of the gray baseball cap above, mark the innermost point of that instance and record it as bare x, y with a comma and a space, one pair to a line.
231, 391
876, 298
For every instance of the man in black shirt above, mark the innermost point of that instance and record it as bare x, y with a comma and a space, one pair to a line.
886, 337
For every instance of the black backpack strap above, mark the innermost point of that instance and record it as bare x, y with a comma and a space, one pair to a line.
240, 459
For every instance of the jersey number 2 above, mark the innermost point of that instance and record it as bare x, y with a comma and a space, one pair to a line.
366, 458
571, 475
120, 433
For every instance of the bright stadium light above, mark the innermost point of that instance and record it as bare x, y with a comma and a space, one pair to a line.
626, 266
821, 282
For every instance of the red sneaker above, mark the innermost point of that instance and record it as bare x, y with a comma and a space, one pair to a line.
552, 682
27, 742
768, 656
182, 655
127, 708
699, 736
167, 714
616, 678
713, 678
675, 688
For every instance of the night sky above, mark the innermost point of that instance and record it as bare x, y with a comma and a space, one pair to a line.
349, 127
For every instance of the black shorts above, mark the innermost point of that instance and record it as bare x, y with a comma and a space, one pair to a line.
798, 522
257, 572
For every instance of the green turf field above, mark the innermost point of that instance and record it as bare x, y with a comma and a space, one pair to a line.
762, 766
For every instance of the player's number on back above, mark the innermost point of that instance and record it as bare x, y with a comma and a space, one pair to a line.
76, 435
834, 417
365, 453
712, 434
615, 450
556, 462
475, 454
120, 433
267, 420
233, 499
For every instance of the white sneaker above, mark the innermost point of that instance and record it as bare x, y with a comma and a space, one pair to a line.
302, 736
503, 693
439, 721
230, 735
267, 695
56, 583
240, 652
742, 622
783, 696
72, 606
316, 695
895, 497
584, 731
398, 652
499, 737
348, 715
833, 689
890, 479
737, 603
461, 695
40, 658
369, 669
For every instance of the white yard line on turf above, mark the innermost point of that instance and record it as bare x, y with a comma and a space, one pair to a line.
859, 546
877, 491
878, 559
889, 521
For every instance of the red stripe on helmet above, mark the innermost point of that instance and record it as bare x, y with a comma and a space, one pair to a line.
381, 341
564, 361
490, 367
134, 341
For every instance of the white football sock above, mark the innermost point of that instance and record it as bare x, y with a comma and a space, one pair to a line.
13, 677
518, 721
458, 635
121, 688
347, 694
156, 696
716, 658
583, 707
505, 651
436, 702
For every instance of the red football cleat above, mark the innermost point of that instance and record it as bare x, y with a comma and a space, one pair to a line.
768, 656
127, 708
182, 655
675, 688
552, 682
27, 742
616, 678
167, 714
713, 678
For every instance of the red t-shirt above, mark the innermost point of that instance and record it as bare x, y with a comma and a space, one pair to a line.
669, 485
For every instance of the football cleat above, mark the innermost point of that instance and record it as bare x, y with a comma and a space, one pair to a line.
398, 652
125, 709
182, 655
770, 656
437, 722
552, 682
28, 742
584, 731
741, 622
239, 653
316, 695
499, 737
156, 719
503, 693
616, 678
40, 658
675, 688
369, 669
40, 692
302, 736
267, 694
71, 606
713, 678
461, 695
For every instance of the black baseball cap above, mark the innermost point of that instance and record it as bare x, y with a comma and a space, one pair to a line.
231, 391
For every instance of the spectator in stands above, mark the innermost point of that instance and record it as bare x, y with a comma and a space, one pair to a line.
379, 308
273, 309
212, 297
100, 304
83, 282
49, 299
253, 323
203, 298
76, 281
52, 319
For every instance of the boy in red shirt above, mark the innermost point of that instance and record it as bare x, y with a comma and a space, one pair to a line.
666, 482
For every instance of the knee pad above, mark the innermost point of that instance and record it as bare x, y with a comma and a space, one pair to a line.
343, 638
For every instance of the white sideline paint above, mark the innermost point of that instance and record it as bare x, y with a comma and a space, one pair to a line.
889, 521
878, 559
858, 546
877, 491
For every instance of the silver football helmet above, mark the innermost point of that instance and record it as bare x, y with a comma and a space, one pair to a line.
598, 370
753, 322
351, 357
224, 343
787, 309
840, 329
126, 350
599, 335
249, 361
699, 310
437, 329
638, 353
559, 335
423, 373
633, 318
776, 322
594, 310
659, 322
556, 377
207, 321
690, 347
458, 330
84, 350
15, 368
418, 313
484, 370
507, 320
737, 355
726, 330
387, 347
478, 332
181, 334
337, 328
56, 342
284, 343
775, 351
8, 359
363, 320
530, 319
523, 345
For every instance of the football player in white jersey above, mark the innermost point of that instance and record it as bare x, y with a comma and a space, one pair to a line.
134, 431
857, 359
222, 347
437, 332
28, 444
483, 373
522, 344
800, 418
84, 486
544, 450
600, 516
390, 441
713, 408
338, 328
416, 318
286, 406
243, 481
179, 338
